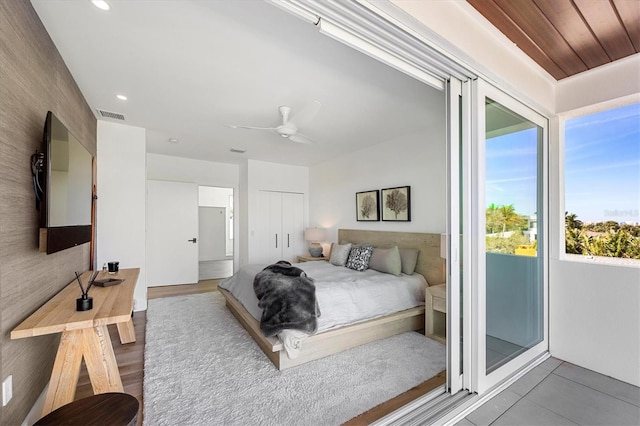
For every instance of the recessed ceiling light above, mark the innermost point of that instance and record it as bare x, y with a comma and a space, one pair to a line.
101, 4
174, 140
121, 97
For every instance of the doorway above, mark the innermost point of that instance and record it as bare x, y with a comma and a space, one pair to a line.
215, 232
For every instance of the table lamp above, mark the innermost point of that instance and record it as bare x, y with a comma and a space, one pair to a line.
315, 235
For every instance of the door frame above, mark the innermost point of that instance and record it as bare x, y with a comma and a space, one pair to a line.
480, 380
455, 105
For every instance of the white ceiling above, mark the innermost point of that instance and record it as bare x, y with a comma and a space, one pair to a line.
190, 67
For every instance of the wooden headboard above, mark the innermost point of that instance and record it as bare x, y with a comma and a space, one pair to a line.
430, 265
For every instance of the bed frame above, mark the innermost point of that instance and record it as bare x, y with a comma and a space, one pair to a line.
330, 342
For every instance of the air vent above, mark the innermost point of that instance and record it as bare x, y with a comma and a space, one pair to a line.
239, 151
112, 115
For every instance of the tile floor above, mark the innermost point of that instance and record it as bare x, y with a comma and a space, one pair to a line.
559, 393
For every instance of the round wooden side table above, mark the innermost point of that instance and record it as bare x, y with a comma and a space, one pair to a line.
105, 409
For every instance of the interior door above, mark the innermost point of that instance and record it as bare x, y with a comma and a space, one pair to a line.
269, 226
509, 255
172, 230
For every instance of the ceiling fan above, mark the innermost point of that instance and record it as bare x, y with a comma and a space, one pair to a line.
290, 124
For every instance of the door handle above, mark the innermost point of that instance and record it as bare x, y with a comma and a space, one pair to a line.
288, 242
276, 240
193, 240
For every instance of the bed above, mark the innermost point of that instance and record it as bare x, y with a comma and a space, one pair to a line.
335, 336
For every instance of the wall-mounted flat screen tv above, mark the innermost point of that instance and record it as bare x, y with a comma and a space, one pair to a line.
66, 181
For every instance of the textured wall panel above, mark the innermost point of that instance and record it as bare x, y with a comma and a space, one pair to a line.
33, 80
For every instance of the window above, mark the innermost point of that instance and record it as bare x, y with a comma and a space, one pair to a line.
602, 183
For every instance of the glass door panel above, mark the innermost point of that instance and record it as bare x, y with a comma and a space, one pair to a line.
508, 242
514, 321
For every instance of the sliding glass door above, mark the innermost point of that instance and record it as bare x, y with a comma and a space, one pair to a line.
508, 241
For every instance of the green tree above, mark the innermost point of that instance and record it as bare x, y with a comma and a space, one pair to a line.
608, 239
493, 219
506, 245
503, 218
571, 221
510, 219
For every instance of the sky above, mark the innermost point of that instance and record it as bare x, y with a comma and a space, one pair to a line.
602, 167
511, 171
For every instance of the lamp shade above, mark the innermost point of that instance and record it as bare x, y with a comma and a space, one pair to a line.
443, 246
315, 234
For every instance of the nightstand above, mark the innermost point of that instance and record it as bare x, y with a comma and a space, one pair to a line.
435, 314
308, 258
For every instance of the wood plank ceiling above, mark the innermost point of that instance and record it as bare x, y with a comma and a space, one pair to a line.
567, 37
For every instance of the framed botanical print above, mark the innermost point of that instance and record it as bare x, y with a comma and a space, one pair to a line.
367, 206
396, 204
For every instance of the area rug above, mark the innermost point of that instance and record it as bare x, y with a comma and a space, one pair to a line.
203, 368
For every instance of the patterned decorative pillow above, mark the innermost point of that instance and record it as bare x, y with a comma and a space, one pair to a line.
359, 258
339, 254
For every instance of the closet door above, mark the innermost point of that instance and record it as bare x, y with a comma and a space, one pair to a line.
280, 226
292, 225
269, 226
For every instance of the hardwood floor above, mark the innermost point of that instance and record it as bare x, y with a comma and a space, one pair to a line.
130, 359
178, 290
390, 406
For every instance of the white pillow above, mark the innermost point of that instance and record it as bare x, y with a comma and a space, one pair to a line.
339, 254
386, 260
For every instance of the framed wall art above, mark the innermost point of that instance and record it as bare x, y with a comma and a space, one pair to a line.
396, 204
368, 206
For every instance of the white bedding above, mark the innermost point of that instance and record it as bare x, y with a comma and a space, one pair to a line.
345, 296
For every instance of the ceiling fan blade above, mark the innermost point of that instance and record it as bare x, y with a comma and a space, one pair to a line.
298, 138
238, 126
306, 114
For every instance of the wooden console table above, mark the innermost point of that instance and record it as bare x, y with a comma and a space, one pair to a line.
84, 335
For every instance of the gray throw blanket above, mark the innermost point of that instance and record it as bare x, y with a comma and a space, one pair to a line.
287, 298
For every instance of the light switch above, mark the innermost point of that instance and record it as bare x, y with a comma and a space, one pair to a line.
7, 390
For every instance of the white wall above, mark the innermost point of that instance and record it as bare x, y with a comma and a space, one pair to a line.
121, 188
206, 173
264, 176
211, 196
612, 81
242, 218
416, 160
594, 308
212, 233
594, 317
